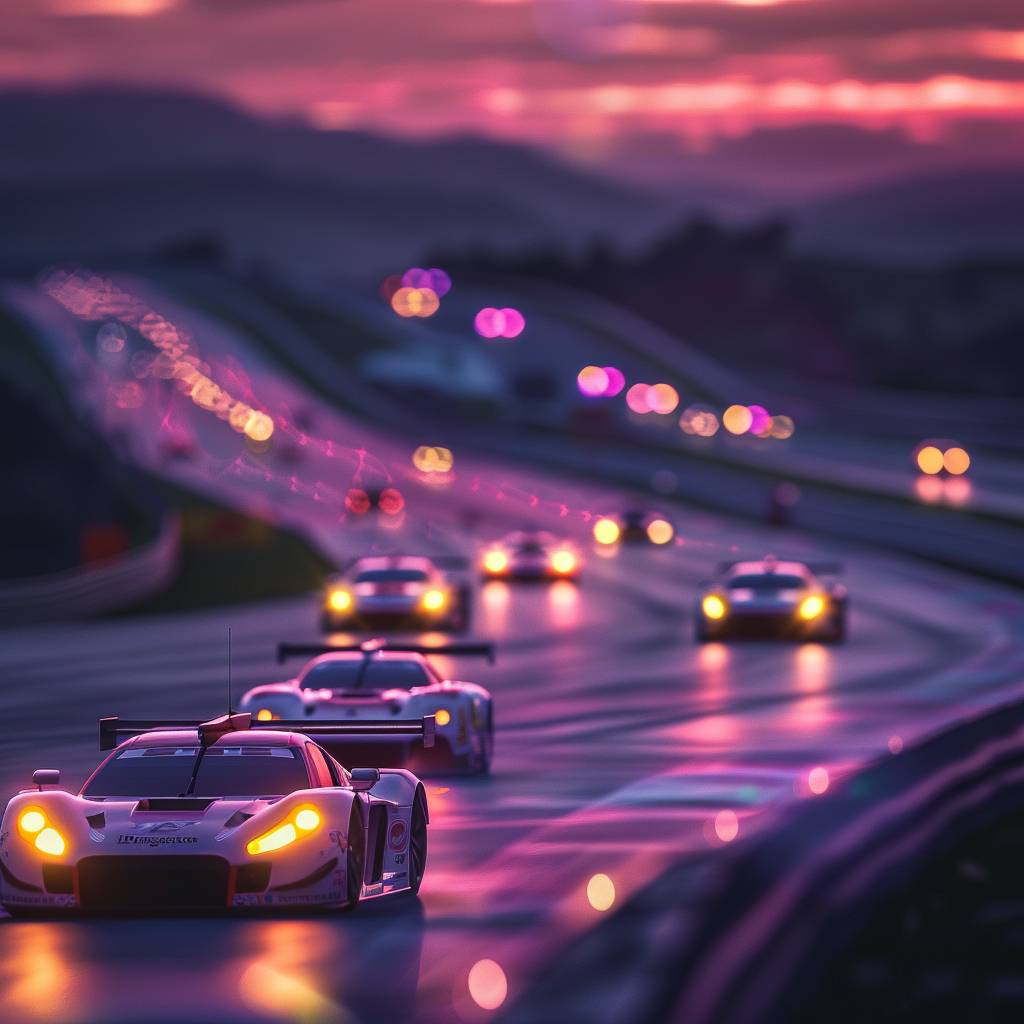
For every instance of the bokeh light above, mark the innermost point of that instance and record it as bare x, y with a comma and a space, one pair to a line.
782, 427
956, 461
760, 420
636, 398
357, 501
391, 501
660, 531
616, 381
409, 302
817, 780
895, 744
499, 323
727, 825
592, 381
737, 419
606, 531
433, 459
662, 399
928, 488
958, 490
601, 892
929, 460
488, 985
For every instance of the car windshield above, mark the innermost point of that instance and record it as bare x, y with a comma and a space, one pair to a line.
531, 547
765, 583
391, 576
224, 771
373, 675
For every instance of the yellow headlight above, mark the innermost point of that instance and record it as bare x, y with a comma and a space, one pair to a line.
811, 607
433, 600
713, 607
339, 600
50, 841
606, 531
32, 821
442, 716
563, 561
264, 715
302, 821
495, 561
660, 531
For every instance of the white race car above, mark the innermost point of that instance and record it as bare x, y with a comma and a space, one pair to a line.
789, 600
395, 592
209, 816
379, 680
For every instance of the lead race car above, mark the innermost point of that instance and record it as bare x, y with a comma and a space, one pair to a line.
377, 679
787, 599
396, 592
229, 813
530, 555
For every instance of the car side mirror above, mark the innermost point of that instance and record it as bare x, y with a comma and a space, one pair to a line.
46, 777
364, 779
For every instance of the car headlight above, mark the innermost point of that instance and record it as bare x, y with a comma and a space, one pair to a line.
339, 600
301, 822
433, 600
442, 716
607, 531
266, 715
35, 828
563, 561
713, 607
495, 561
660, 531
811, 607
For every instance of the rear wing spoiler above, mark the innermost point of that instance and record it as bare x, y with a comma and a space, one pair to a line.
818, 568
368, 647
114, 730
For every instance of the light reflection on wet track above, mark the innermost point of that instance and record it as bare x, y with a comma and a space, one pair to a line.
617, 749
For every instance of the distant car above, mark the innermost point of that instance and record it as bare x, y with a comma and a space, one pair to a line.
187, 816
786, 599
396, 592
377, 680
530, 555
634, 526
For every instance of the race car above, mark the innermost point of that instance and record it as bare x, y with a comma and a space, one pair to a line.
633, 526
530, 555
231, 813
786, 599
380, 680
396, 592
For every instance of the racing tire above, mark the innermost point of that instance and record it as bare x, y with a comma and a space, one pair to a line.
355, 859
418, 841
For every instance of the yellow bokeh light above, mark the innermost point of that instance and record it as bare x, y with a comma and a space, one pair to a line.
264, 715
340, 600
434, 600
495, 561
929, 460
259, 427
442, 716
811, 607
606, 531
563, 561
660, 531
713, 606
601, 892
956, 461
737, 419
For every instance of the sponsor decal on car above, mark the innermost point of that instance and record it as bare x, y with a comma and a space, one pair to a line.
398, 835
155, 833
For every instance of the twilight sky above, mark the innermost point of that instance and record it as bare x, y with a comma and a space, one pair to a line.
605, 81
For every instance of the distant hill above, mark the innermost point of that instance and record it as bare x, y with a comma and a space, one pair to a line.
108, 171
921, 219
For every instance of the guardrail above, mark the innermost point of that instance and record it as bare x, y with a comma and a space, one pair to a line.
792, 901
100, 587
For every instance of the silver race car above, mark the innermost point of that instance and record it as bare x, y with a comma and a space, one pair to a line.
396, 592
189, 816
530, 555
785, 599
378, 680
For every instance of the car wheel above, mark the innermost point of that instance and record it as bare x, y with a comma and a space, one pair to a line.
418, 842
355, 860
